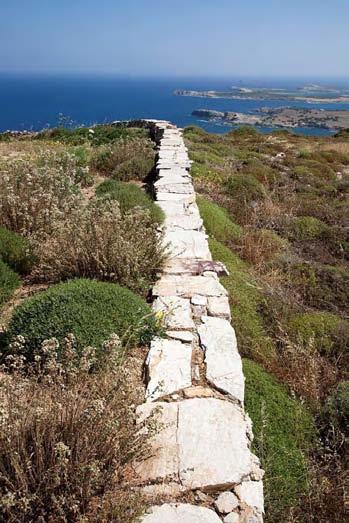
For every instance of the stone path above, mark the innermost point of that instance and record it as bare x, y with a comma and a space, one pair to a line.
201, 461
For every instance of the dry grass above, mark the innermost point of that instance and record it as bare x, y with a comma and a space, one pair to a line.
68, 437
97, 241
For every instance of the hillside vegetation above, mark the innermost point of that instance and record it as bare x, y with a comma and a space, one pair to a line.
276, 208
79, 251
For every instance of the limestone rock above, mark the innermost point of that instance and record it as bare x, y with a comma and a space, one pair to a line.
181, 513
177, 312
226, 502
223, 362
212, 444
164, 461
251, 493
185, 336
199, 300
187, 244
169, 367
186, 287
219, 306
233, 517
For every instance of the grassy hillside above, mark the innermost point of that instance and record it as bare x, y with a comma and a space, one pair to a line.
277, 211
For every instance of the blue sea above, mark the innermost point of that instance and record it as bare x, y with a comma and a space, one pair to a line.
33, 102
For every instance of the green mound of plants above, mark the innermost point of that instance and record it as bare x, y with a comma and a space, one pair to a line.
245, 300
283, 431
133, 169
245, 188
15, 251
90, 310
97, 135
9, 281
321, 331
307, 228
217, 222
321, 286
129, 196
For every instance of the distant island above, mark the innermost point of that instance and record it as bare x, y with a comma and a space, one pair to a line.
307, 93
280, 117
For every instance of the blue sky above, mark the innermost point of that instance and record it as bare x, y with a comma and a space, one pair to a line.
176, 37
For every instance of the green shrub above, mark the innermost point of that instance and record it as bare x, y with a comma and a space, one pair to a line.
321, 286
90, 310
245, 188
97, 241
15, 251
246, 300
107, 159
322, 331
336, 409
217, 222
283, 431
129, 196
307, 228
9, 281
134, 169
102, 134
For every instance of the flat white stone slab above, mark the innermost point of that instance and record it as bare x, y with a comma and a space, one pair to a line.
173, 197
188, 244
251, 493
176, 311
173, 179
178, 188
186, 287
193, 223
223, 361
169, 367
164, 461
175, 171
212, 444
181, 513
185, 336
201, 442
219, 307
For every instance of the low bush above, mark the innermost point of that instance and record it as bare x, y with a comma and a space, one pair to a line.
98, 241
245, 188
9, 281
246, 300
33, 196
130, 196
134, 169
283, 431
260, 246
67, 439
306, 228
89, 310
97, 135
108, 159
217, 222
321, 331
322, 286
16, 251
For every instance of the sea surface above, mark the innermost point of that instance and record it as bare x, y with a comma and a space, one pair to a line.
33, 102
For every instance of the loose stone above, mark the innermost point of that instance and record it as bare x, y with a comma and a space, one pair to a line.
226, 502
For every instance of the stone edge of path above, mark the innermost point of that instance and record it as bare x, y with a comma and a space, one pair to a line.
201, 465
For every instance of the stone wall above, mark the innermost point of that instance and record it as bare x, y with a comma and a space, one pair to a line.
201, 469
